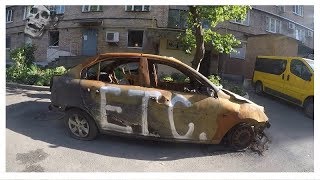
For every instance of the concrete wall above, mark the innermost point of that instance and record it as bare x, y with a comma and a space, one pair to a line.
178, 54
267, 45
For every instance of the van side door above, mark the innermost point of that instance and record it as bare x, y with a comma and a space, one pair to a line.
298, 81
271, 73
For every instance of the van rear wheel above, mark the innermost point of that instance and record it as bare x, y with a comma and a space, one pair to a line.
309, 108
258, 88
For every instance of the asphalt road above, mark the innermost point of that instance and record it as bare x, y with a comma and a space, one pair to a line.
36, 140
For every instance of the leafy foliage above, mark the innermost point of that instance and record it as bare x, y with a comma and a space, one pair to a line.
215, 80
25, 71
233, 87
229, 85
195, 36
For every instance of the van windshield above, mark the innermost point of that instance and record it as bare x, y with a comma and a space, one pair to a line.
310, 62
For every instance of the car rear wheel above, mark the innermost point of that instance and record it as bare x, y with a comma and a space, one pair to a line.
309, 108
258, 88
80, 125
241, 137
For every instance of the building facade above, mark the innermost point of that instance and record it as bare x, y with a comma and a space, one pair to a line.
293, 24
89, 30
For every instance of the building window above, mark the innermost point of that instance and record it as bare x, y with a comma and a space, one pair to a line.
91, 8
173, 44
135, 38
298, 10
54, 38
177, 18
300, 34
26, 12
273, 25
240, 52
59, 9
8, 42
138, 8
9, 15
245, 22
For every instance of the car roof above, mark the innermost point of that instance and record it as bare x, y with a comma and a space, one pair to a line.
280, 57
119, 55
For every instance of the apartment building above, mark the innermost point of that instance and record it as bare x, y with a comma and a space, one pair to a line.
89, 30
268, 30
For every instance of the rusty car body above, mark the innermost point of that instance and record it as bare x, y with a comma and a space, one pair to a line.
126, 94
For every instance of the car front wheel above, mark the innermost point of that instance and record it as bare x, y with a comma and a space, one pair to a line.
80, 125
241, 137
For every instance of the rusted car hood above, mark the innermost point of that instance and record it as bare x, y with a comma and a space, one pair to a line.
241, 98
247, 108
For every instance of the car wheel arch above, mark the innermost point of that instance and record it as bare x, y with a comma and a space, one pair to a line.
225, 133
68, 108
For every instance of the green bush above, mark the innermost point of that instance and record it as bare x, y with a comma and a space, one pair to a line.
215, 80
233, 87
175, 77
24, 71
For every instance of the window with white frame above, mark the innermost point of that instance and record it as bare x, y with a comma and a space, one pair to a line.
273, 25
9, 14
239, 52
26, 12
91, 8
300, 34
54, 38
245, 22
138, 8
177, 18
59, 9
298, 10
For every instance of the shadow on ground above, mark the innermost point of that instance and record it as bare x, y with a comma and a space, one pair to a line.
33, 119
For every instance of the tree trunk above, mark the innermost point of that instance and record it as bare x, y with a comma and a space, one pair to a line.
200, 50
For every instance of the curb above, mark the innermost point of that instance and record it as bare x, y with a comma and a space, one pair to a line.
32, 87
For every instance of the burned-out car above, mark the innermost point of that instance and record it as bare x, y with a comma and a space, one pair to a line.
132, 94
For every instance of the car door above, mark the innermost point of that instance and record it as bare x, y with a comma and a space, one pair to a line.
181, 111
115, 99
298, 81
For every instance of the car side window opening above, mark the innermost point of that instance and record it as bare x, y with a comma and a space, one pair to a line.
299, 69
168, 77
123, 71
272, 66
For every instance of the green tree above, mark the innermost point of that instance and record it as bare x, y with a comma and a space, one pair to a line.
195, 36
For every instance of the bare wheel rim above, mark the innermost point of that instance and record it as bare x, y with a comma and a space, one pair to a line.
242, 137
78, 125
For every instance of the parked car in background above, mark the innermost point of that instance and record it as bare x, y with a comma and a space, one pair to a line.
289, 78
127, 94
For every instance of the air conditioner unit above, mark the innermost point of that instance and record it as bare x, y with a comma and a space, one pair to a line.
291, 25
112, 36
310, 33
